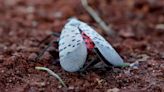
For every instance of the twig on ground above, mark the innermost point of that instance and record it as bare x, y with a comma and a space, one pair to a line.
160, 26
53, 74
96, 17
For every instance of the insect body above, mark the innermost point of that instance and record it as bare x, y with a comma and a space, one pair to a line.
77, 39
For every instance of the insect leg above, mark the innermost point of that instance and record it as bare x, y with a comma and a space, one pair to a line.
91, 63
41, 54
55, 34
44, 40
53, 50
45, 49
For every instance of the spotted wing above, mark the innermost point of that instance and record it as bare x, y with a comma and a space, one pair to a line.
103, 46
72, 48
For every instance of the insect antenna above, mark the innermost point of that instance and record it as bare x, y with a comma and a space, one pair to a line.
41, 54
44, 40
55, 34
91, 63
49, 45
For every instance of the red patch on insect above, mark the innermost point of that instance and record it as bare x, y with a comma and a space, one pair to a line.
90, 45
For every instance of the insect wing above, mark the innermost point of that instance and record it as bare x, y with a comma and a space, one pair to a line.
72, 48
103, 46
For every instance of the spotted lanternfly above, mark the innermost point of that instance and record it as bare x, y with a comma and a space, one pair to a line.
77, 40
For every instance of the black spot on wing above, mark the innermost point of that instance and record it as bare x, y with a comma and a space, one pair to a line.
78, 40
78, 44
62, 37
98, 39
64, 47
97, 42
68, 52
73, 46
108, 47
73, 40
60, 50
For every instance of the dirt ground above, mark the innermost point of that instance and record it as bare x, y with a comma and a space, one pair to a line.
139, 37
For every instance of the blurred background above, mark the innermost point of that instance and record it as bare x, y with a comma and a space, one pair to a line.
139, 28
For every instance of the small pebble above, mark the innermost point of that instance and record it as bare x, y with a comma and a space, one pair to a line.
32, 57
71, 87
113, 90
